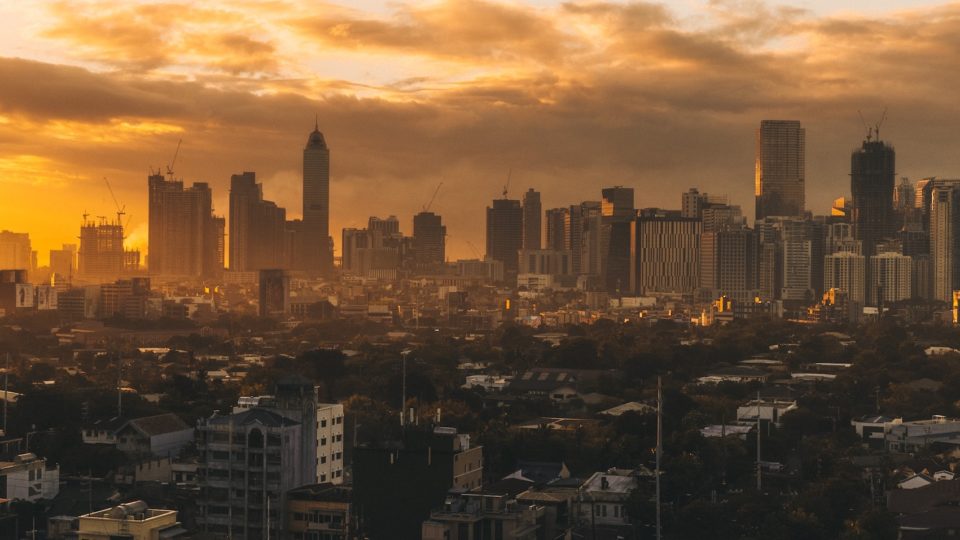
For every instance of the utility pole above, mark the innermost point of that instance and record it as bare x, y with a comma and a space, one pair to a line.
659, 447
6, 393
119, 386
403, 387
759, 466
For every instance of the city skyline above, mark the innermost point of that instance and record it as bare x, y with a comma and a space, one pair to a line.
558, 107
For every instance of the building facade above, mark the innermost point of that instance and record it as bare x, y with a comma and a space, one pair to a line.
780, 168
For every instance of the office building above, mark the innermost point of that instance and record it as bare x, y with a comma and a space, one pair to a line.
945, 240
872, 179
666, 252
316, 246
618, 215
185, 238
130, 521
593, 239
102, 255
791, 259
780, 168
505, 233
257, 227
429, 240
845, 271
15, 250
532, 220
892, 277
248, 463
729, 263
558, 229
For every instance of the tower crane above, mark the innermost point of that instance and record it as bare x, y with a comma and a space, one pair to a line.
506, 187
426, 208
174, 160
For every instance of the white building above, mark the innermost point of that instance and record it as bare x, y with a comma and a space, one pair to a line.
892, 273
845, 271
29, 478
769, 411
604, 499
330, 443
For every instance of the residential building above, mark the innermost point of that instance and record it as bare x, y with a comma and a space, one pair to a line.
666, 253
532, 220
257, 226
558, 234
429, 240
780, 168
330, 443
872, 179
892, 277
945, 239
602, 504
911, 436
29, 478
489, 512
185, 239
159, 435
130, 521
729, 263
845, 271
249, 461
770, 411
320, 511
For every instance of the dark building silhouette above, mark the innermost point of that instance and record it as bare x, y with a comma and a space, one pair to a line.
185, 238
532, 219
872, 182
618, 214
558, 229
429, 240
780, 168
505, 233
316, 252
102, 256
274, 293
257, 227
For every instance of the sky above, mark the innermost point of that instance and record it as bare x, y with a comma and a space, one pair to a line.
562, 96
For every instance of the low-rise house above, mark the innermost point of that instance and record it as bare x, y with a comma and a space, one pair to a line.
769, 411
735, 374
603, 499
489, 383
631, 406
320, 511
872, 429
29, 478
917, 434
159, 435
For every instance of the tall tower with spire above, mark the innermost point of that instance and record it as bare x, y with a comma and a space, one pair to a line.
316, 246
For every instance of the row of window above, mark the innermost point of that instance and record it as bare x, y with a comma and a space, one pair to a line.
333, 421
335, 474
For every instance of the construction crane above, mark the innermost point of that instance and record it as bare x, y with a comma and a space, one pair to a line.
875, 130
120, 209
426, 208
506, 187
174, 160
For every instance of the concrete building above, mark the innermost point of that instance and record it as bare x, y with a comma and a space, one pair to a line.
320, 511
532, 220
666, 253
489, 512
435, 461
159, 435
892, 277
63, 261
617, 208
330, 443
185, 238
945, 240
130, 521
558, 225
780, 168
429, 240
248, 463
845, 271
102, 256
316, 246
602, 502
257, 226
872, 179
274, 293
15, 250
505, 233
29, 478
729, 263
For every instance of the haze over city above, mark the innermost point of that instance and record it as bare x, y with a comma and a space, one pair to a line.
569, 96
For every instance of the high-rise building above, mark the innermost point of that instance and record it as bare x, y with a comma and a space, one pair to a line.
372, 252
558, 225
892, 277
184, 238
386, 227
791, 258
316, 252
102, 255
618, 212
429, 240
593, 239
845, 271
532, 220
729, 263
505, 233
780, 168
945, 240
872, 178
15, 251
63, 261
274, 293
257, 227
666, 252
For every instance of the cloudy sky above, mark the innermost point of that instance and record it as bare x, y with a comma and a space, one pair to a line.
570, 96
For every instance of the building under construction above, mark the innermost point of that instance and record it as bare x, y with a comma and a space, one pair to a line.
102, 256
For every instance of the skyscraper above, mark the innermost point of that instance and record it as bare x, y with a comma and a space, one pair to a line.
257, 227
618, 215
15, 251
665, 255
872, 179
558, 229
429, 240
532, 219
316, 253
780, 168
945, 240
845, 271
505, 233
183, 232
101, 255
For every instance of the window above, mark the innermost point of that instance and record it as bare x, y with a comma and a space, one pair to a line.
323, 423
323, 441
323, 459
